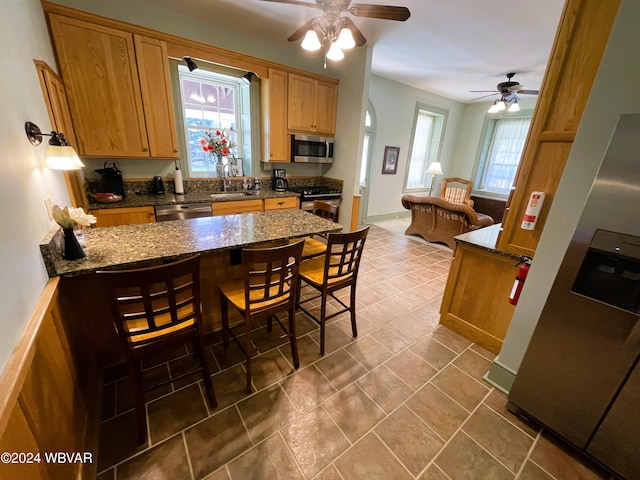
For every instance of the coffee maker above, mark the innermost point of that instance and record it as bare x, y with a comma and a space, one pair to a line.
280, 183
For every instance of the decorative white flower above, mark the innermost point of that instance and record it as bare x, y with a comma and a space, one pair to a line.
70, 217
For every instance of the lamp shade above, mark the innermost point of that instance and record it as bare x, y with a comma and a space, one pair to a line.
335, 52
345, 39
514, 107
435, 168
311, 41
61, 157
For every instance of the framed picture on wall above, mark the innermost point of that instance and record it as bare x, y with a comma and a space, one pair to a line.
390, 161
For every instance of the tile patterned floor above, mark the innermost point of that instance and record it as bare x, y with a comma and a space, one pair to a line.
405, 400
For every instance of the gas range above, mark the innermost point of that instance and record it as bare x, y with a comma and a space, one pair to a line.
309, 194
316, 193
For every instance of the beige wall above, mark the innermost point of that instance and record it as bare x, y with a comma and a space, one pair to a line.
23, 183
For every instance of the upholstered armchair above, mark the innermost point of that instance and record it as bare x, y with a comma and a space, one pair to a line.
437, 220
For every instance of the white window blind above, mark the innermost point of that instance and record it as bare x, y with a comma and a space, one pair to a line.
498, 168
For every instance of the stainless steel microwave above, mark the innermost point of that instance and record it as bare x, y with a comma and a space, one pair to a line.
311, 149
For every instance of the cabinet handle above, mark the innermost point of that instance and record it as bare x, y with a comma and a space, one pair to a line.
145, 149
280, 203
175, 150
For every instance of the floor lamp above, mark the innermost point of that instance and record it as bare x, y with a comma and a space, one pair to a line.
434, 169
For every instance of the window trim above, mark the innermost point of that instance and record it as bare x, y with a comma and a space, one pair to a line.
444, 114
219, 79
484, 145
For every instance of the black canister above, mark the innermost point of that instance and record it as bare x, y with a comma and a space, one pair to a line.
111, 179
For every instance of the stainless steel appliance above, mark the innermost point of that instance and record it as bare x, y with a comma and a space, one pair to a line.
182, 211
280, 183
580, 375
309, 194
311, 149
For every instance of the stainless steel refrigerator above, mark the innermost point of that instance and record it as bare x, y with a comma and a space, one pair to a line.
580, 375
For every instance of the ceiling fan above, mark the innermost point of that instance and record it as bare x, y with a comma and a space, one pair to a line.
331, 24
507, 88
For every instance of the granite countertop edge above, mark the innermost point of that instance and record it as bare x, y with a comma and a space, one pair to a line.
139, 245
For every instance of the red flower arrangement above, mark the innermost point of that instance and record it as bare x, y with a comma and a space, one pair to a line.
217, 143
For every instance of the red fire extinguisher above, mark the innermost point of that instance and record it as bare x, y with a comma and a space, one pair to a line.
523, 271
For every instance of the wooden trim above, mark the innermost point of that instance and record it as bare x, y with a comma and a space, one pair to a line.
355, 210
557, 136
15, 371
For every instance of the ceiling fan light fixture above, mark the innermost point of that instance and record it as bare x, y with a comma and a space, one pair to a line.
501, 105
335, 52
514, 107
345, 39
493, 108
311, 41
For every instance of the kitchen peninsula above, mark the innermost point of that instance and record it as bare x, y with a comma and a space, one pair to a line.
218, 241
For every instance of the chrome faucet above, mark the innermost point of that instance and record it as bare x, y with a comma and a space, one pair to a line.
226, 171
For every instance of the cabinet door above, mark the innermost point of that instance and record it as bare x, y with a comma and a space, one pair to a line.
274, 115
99, 70
60, 117
232, 208
112, 217
155, 86
325, 108
300, 103
281, 203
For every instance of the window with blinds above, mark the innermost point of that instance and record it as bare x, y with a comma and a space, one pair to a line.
500, 153
428, 131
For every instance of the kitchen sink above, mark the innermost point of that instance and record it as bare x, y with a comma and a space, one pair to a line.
231, 195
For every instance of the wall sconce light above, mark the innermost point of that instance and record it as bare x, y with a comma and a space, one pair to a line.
191, 65
434, 169
59, 155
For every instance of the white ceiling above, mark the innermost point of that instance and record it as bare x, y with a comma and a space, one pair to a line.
447, 47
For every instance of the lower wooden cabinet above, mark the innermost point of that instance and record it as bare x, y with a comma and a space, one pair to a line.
241, 206
281, 203
112, 217
478, 309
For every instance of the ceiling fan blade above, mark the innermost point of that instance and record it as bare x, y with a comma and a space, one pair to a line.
484, 91
358, 37
484, 96
300, 33
529, 92
294, 2
385, 12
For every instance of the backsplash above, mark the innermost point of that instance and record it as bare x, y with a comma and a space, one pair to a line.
137, 187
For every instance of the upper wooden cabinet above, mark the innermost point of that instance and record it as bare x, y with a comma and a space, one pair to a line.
311, 105
155, 85
273, 99
118, 90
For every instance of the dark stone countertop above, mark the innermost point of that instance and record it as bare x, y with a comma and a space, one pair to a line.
133, 246
149, 200
486, 238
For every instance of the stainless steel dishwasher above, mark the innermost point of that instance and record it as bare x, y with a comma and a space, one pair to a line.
182, 211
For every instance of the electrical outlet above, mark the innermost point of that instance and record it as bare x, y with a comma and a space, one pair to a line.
49, 206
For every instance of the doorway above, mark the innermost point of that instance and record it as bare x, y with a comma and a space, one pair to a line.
365, 165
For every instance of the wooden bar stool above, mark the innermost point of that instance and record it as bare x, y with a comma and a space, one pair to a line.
269, 286
154, 309
337, 269
314, 247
